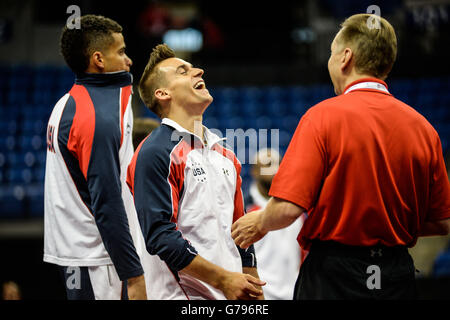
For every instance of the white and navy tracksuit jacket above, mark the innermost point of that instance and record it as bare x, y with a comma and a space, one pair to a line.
187, 196
89, 210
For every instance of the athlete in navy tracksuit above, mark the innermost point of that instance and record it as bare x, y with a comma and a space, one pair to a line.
91, 228
89, 145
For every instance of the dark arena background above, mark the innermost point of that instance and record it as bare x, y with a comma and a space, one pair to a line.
265, 64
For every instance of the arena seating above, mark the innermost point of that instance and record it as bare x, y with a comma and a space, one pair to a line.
28, 94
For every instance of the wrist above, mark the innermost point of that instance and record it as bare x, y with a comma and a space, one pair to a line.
221, 279
133, 280
262, 229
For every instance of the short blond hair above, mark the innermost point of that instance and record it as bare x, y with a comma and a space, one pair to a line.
374, 44
152, 78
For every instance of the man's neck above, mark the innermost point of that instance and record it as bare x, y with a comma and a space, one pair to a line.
192, 123
352, 78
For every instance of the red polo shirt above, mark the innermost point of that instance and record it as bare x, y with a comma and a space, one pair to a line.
367, 167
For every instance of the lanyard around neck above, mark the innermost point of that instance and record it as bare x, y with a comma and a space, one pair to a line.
368, 85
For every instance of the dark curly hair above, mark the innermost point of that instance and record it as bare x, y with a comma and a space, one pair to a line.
95, 34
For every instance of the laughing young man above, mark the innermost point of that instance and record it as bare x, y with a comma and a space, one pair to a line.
187, 191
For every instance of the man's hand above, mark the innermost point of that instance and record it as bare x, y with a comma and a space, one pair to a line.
236, 285
248, 229
136, 288
254, 273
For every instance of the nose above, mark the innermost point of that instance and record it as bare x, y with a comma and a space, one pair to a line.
198, 72
129, 61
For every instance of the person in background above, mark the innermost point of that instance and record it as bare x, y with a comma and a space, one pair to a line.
142, 127
278, 254
11, 291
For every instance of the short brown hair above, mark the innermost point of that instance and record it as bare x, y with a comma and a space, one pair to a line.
151, 77
375, 48
95, 34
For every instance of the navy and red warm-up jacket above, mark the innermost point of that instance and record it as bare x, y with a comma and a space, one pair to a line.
85, 139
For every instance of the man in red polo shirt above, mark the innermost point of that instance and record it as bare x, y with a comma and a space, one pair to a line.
368, 170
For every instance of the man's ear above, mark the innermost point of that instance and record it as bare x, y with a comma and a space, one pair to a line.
162, 94
346, 59
97, 60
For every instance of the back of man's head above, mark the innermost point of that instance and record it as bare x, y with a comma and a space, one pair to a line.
151, 78
95, 34
373, 42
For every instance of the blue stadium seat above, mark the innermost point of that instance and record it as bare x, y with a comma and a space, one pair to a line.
30, 159
39, 174
36, 206
17, 96
227, 109
290, 123
12, 204
276, 108
210, 122
2, 160
20, 77
285, 138
31, 142
263, 122
296, 93
41, 156
14, 176
35, 199
44, 97
232, 123
8, 128
251, 94
252, 109
226, 94
275, 93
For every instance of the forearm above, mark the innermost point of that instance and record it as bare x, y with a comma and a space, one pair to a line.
115, 233
435, 228
279, 214
234, 285
206, 271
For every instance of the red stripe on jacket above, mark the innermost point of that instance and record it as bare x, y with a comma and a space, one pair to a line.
124, 99
178, 158
81, 135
